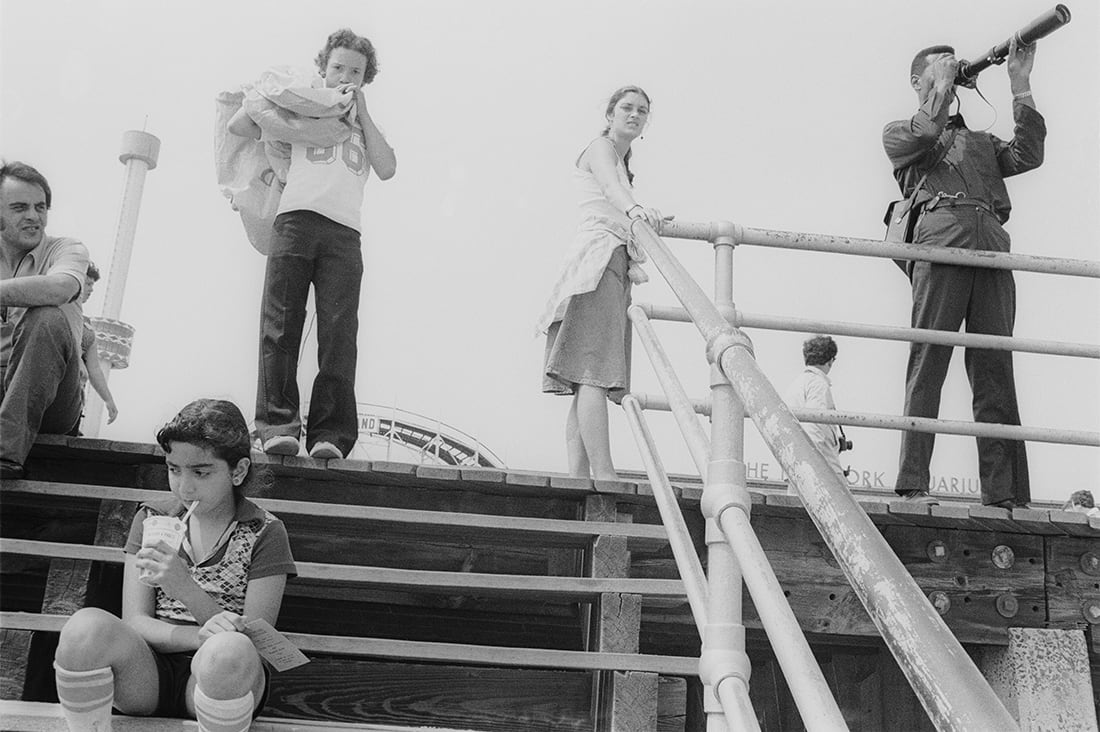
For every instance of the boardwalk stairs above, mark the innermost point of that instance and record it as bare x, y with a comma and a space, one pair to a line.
450, 598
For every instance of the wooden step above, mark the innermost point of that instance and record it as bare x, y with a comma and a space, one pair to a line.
560, 589
506, 529
477, 655
20, 716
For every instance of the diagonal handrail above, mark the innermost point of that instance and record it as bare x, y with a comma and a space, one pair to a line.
679, 539
952, 690
680, 405
796, 659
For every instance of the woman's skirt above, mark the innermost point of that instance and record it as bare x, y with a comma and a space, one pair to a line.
591, 343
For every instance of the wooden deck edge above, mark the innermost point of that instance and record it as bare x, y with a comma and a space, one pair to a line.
457, 653
565, 589
21, 716
580, 532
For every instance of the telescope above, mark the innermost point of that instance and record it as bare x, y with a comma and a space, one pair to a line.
1041, 27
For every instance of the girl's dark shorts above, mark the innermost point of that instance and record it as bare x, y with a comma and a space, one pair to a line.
174, 671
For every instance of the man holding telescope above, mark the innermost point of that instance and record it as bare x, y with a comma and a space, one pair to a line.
963, 203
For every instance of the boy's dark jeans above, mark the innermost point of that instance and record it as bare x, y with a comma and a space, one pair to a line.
310, 248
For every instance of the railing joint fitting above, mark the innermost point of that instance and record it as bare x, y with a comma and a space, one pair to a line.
726, 232
725, 340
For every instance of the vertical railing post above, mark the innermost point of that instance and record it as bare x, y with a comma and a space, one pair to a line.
724, 666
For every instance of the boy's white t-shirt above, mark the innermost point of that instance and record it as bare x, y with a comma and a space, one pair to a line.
328, 180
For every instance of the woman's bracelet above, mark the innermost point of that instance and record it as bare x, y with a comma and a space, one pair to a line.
1021, 95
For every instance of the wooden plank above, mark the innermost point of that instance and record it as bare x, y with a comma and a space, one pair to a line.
631, 702
619, 624
439, 472
1071, 523
1036, 521
485, 477
671, 704
499, 700
995, 518
879, 513
45, 717
993, 580
479, 655
573, 533
1072, 580
551, 588
15, 648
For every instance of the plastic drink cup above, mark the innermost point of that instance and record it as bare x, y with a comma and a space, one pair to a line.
156, 529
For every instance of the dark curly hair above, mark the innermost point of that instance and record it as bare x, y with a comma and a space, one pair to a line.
215, 424
619, 94
819, 350
346, 38
27, 174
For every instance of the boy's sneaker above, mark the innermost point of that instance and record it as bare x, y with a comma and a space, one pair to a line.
325, 451
919, 497
282, 445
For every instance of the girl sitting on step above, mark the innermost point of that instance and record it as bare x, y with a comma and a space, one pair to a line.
181, 648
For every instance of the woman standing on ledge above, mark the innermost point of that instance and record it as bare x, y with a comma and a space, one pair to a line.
588, 335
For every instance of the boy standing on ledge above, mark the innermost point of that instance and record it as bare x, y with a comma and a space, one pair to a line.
317, 241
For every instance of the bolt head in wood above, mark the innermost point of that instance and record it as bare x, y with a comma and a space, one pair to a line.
1003, 557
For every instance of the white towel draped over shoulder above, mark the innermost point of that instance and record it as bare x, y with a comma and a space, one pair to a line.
290, 107
602, 228
585, 261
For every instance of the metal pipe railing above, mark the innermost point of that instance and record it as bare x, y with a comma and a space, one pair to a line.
657, 402
733, 698
945, 679
884, 249
682, 408
723, 661
795, 657
741, 319
679, 538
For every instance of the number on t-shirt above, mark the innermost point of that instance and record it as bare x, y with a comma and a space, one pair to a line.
352, 152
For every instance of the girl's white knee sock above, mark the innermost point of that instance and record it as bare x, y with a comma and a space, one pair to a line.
86, 697
223, 715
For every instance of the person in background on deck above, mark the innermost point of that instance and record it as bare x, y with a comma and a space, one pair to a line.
588, 334
964, 204
92, 371
317, 241
813, 390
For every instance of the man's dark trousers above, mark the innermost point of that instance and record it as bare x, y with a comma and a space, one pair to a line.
41, 384
944, 296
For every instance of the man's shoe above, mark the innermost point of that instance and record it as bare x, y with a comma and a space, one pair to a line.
11, 471
325, 451
282, 445
919, 497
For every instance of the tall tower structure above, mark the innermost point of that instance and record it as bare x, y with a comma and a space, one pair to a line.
115, 338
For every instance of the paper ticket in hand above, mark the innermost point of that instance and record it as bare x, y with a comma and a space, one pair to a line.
273, 646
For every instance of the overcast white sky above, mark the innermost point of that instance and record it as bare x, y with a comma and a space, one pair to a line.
765, 113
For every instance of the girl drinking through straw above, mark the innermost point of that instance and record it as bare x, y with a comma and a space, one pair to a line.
180, 649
